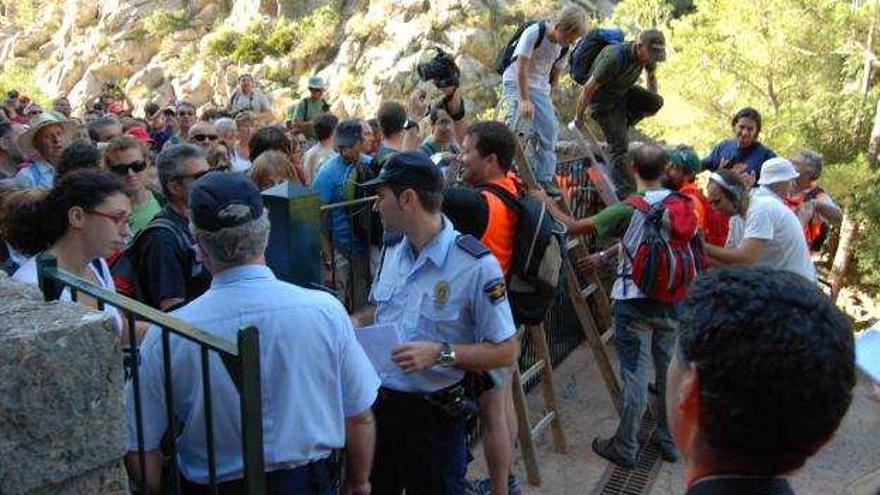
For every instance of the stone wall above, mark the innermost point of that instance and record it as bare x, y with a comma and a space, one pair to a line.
62, 427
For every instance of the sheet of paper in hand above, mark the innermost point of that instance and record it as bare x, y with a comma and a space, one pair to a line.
378, 341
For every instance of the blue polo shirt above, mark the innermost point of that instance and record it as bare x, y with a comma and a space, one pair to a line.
330, 186
754, 156
314, 375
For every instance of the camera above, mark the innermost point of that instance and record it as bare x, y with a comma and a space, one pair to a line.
441, 69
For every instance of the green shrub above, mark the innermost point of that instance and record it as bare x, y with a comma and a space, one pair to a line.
164, 22
223, 43
249, 50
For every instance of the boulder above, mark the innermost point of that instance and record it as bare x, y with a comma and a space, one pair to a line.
61, 405
151, 77
209, 13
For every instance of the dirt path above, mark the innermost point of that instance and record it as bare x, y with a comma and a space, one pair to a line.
587, 412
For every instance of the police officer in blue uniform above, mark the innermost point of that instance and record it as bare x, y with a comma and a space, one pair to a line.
318, 385
445, 295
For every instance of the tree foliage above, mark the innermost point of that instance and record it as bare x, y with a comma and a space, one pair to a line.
799, 62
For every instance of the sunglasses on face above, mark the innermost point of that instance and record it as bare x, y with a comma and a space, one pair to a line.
123, 168
204, 137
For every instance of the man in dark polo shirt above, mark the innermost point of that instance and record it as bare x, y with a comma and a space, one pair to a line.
165, 257
616, 102
756, 388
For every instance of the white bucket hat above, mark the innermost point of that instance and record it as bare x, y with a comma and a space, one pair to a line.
776, 170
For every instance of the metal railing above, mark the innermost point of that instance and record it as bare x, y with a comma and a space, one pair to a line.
241, 359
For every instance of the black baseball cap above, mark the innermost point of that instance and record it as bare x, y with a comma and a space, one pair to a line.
348, 132
410, 169
219, 200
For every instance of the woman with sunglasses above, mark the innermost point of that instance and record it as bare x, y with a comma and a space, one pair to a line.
81, 220
126, 158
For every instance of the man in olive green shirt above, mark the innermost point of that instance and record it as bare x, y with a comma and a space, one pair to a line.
302, 116
616, 102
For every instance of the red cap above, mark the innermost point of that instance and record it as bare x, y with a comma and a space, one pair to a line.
140, 134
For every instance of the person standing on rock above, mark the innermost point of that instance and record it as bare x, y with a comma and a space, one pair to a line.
527, 82
617, 102
44, 141
247, 97
302, 116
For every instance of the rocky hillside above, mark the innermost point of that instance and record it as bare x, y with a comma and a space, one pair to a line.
195, 49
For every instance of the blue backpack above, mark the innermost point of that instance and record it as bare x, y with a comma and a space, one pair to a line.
581, 60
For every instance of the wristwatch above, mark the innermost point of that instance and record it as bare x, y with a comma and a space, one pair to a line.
446, 358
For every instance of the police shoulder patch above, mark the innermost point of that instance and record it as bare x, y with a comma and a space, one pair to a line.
471, 245
495, 289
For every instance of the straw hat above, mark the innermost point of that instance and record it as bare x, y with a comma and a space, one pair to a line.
26, 140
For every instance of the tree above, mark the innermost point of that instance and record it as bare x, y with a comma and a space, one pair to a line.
801, 63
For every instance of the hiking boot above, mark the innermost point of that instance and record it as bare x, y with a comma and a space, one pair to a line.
550, 188
607, 450
668, 451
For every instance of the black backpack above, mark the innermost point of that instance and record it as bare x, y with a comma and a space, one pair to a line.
537, 256
580, 62
366, 224
505, 57
124, 264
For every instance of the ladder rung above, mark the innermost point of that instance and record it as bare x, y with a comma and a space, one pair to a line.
533, 371
543, 424
607, 335
589, 290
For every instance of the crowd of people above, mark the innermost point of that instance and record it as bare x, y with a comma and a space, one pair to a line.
418, 234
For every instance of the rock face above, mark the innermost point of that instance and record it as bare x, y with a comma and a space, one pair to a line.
61, 409
160, 48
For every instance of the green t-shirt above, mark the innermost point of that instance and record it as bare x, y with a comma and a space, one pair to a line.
141, 215
614, 72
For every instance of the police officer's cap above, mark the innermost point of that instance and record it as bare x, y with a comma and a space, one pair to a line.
219, 200
410, 169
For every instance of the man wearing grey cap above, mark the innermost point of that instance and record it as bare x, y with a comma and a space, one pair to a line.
303, 114
318, 384
617, 102
771, 234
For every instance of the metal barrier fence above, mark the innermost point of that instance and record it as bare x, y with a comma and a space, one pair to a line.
241, 359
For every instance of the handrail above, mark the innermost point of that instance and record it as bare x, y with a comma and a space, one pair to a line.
47, 268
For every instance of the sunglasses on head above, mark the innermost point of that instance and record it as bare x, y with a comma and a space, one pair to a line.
204, 137
123, 168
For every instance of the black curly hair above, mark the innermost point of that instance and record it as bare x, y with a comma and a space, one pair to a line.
776, 366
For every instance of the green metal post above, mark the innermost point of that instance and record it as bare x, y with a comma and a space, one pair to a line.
251, 411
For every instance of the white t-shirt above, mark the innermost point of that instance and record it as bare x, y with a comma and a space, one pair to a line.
771, 220
27, 273
736, 229
542, 58
239, 162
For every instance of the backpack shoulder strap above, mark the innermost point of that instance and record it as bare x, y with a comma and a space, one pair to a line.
638, 202
162, 223
504, 195
542, 31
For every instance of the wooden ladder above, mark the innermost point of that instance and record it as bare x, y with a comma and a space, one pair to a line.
528, 434
588, 297
592, 308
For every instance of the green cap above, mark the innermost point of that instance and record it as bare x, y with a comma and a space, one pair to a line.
686, 157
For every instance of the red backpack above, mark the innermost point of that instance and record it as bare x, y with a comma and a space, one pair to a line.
664, 247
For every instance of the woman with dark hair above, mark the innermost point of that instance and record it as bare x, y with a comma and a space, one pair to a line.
742, 153
82, 219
